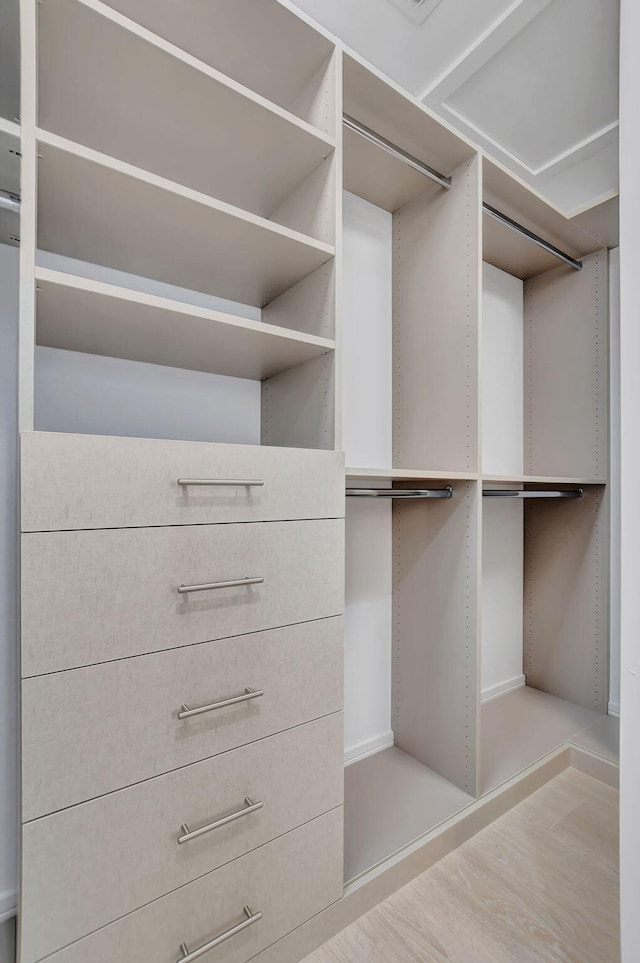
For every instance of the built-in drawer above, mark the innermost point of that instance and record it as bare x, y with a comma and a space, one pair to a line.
89, 731
257, 898
129, 848
95, 481
92, 596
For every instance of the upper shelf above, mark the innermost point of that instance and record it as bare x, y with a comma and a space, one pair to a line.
107, 212
79, 314
262, 45
410, 474
107, 83
513, 253
372, 173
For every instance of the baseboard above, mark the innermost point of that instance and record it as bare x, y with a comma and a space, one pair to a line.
613, 709
604, 770
497, 690
367, 748
8, 904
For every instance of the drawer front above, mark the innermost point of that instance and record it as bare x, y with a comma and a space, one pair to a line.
132, 836
93, 481
287, 881
90, 731
93, 596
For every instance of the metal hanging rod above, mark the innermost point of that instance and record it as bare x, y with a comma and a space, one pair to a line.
540, 241
446, 182
9, 201
396, 151
400, 492
532, 493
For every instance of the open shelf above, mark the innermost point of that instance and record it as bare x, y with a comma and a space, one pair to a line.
79, 314
93, 207
513, 253
375, 175
108, 84
261, 45
539, 480
521, 727
401, 474
390, 800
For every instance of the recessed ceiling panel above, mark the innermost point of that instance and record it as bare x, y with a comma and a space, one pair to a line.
554, 85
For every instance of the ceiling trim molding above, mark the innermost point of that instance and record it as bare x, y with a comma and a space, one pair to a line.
596, 202
482, 135
576, 148
514, 19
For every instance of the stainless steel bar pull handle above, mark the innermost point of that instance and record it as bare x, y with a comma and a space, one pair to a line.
187, 713
223, 482
249, 920
249, 807
229, 583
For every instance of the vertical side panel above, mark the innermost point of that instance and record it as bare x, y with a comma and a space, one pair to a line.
301, 406
311, 207
436, 293
298, 406
28, 212
435, 632
566, 597
566, 371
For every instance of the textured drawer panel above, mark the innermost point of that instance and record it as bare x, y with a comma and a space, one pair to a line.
90, 731
131, 836
289, 880
93, 596
94, 481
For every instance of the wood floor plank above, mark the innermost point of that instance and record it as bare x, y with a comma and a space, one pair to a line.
539, 884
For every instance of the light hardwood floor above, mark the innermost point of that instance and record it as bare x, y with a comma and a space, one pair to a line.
540, 885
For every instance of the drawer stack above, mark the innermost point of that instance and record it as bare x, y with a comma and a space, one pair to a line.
181, 696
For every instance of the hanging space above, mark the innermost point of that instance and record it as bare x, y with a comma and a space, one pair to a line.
410, 432
544, 389
191, 257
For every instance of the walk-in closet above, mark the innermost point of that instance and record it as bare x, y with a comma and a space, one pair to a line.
261, 690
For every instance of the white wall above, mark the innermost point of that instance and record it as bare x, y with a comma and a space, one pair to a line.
367, 336
367, 424
503, 445
502, 372
630, 473
89, 394
502, 644
8, 582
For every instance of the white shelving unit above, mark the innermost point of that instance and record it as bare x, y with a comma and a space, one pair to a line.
109, 84
201, 146
94, 207
77, 314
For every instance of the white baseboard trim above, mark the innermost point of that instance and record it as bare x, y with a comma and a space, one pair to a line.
614, 709
8, 904
367, 748
497, 690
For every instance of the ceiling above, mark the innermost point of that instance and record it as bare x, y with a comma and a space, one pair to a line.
534, 82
